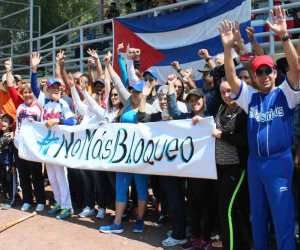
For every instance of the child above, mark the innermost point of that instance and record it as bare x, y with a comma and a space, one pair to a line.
55, 111
7, 171
30, 173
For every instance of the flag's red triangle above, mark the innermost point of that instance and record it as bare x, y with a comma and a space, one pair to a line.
149, 55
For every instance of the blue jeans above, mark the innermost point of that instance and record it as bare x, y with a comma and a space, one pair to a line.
123, 181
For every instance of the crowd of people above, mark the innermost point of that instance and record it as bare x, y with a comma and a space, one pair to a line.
257, 142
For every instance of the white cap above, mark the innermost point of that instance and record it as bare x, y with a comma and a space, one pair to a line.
4, 77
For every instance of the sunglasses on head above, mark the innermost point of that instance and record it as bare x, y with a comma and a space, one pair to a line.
264, 71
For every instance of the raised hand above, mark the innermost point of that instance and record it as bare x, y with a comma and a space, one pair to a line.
187, 73
250, 34
107, 58
35, 61
175, 65
226, 32
147, 89
93, 53
203, 53
278, 21
172, 79
8, 65
237, 34
130, 52
120, 47
60, 56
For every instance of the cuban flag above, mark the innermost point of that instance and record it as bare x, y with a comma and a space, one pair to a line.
179, 35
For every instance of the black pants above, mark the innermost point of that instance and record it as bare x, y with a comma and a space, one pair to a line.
174, 188
158, 192
202, 207
31, 173
234, 207
76, 188
7, 182
97, 188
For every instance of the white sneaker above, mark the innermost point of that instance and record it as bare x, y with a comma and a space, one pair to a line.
87, 212
101, 213
25, 207
171, 242
40, 207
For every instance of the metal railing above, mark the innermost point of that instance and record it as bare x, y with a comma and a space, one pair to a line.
74, 40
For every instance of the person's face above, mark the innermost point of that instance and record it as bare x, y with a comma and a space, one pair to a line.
265, 78
136, 97
54, 92
163, 101
5, 125
225, 91
62, 88
28, 96
150, 80
197, 103
178, 87
99, 89
244, 76
114, 97
208, 79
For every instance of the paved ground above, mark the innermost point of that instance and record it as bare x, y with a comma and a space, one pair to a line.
44, 232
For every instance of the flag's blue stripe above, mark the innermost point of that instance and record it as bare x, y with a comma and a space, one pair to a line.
189, 53
181, 18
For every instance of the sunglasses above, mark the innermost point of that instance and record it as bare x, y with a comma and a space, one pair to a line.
264, 71
148, 79
114, 94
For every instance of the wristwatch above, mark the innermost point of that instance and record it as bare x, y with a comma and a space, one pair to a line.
285, 38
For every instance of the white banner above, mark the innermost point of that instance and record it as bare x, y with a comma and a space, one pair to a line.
174, 148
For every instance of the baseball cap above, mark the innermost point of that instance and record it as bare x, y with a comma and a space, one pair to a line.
17, 78
4, 77
196, 92
138, 86
263, 60
52, 81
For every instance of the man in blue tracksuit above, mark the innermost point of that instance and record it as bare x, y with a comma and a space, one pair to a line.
270, 133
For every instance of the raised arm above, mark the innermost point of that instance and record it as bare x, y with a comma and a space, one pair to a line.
123, 92
227, 36
172, 103
13, 93
131, 55
122, 65
256, 48
93, 53
107, 79
80, 106
186, 75
204, 54
279, 27
94, 106
35, 61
